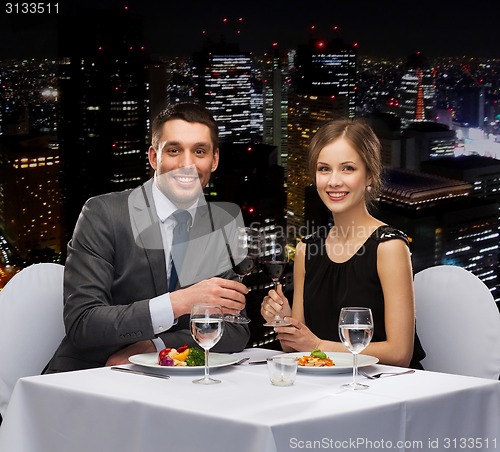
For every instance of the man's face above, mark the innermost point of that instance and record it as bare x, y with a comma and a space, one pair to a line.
184, 160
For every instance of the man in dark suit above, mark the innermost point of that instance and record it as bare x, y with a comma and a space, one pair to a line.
121, 257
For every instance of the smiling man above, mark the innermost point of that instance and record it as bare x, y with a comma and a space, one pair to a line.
121, 257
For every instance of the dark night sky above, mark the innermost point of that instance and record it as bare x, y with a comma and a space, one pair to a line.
392, 28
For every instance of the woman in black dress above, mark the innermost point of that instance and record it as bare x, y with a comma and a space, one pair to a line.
360, 261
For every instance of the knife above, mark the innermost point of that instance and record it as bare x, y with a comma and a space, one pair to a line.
140, 372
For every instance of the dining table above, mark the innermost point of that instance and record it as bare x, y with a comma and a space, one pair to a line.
104, 410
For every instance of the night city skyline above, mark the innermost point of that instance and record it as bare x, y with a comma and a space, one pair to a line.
81, 86
386, 28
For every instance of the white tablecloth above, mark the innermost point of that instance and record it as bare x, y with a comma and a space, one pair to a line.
101, 410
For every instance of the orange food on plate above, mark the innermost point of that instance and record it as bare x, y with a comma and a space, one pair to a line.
314, 361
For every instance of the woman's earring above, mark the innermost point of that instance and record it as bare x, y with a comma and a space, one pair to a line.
368, 188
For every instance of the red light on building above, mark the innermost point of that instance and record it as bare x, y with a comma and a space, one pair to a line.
392, 102
320, 44
225, 20
251, 210
275, 44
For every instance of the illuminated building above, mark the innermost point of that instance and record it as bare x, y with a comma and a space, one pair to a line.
483, 173
30, 194
426, 140
446, 224
222, 77
327, 68
306, 113
417, 92
276, 84
105, 105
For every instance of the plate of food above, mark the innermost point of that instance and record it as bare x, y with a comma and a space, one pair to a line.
185, 363
329, 362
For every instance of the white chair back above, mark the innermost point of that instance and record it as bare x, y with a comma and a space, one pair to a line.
31, 324
458, 322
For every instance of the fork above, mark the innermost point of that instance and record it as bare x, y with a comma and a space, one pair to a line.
374, 377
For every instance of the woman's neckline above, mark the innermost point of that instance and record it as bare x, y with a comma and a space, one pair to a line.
356, 252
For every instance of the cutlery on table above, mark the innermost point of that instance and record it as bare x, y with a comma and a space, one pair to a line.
241, 361
388, 374
140, 372
263, 361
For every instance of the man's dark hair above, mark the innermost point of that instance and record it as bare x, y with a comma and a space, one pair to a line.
188, 112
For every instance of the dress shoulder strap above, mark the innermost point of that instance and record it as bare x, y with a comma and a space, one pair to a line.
385, 233
313, 238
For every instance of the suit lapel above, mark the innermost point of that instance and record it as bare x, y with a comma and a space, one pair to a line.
147, 234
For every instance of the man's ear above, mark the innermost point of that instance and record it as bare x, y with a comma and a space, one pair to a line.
215, 161
153, 157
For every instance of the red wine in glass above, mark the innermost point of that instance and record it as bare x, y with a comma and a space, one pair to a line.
273, 264
245, 267
274, 269
244, 257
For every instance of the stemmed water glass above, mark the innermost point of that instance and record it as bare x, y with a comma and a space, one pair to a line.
356, 331
275, 258
245, 256
207, 325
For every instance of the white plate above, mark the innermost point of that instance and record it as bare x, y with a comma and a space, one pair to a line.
214, 360
343, 362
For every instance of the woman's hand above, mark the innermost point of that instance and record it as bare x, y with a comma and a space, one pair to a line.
297, 336
275, 303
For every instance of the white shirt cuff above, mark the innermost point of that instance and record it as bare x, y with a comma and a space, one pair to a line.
162, 314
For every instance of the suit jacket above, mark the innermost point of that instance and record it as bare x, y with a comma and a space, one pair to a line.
116, 264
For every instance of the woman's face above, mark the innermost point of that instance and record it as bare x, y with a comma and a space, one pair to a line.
341, 177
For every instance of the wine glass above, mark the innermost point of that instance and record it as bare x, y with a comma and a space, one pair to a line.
356, 331
244, 257
273, 262
207, 324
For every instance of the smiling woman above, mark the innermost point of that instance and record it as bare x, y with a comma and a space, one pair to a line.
360, 262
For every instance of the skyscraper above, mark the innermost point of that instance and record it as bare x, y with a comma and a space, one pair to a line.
222, 76
323, 88
306, 113
30, 194
446, 224
417, 90
327, 68
104, 105
276, 83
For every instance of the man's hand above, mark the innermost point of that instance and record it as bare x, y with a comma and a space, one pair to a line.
121, 356
228, 294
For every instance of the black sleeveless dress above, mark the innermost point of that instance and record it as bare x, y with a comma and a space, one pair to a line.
330, 286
